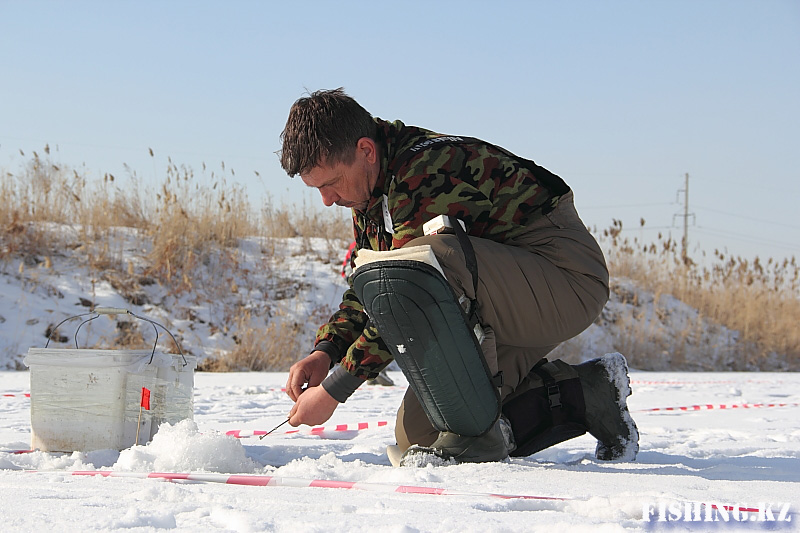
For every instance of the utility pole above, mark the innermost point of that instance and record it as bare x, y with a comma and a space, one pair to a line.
685, 251
686, 215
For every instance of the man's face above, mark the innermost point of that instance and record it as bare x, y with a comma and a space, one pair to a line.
346, 185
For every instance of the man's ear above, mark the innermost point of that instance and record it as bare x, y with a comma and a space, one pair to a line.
367, 146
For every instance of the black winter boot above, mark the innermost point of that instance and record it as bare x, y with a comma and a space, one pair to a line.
494, 445
567, 401
551, 412
606, 386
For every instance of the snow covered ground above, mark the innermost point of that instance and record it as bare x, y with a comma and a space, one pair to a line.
296, 279
745, 457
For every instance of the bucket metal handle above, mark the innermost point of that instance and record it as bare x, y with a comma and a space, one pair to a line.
97, 311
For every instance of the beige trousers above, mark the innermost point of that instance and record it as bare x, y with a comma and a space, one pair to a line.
534, 292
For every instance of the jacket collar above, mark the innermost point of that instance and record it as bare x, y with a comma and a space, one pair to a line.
386, 139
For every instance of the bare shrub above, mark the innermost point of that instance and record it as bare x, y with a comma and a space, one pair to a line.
272, 347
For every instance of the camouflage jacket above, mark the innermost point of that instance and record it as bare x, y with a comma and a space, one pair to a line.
423, 175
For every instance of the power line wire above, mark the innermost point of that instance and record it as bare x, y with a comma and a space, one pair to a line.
746, 238
728, 182
645, 228
583, 207
737, 215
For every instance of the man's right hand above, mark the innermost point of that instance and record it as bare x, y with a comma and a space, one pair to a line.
309, 372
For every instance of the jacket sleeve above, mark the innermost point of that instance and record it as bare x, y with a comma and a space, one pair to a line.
349, 338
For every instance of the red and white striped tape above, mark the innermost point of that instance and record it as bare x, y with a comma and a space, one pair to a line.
276, 481
275, 389
240, 433
706, 382
360, 389
633, 382
321, 430
720, 407
654, 382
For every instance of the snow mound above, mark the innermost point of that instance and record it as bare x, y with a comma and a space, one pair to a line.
182, 448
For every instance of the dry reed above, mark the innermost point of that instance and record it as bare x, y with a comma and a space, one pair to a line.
271, 346
758, 299
196, 221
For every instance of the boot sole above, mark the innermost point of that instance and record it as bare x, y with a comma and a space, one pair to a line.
422, 456
617, 369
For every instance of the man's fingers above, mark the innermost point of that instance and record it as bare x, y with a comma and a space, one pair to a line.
294, 386
291, 415
290, 388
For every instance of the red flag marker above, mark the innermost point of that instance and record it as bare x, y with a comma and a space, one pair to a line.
144, 404
146, 398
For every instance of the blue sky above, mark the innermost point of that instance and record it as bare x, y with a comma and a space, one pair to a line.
620, 98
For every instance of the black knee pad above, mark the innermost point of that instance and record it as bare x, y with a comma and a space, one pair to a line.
425, 328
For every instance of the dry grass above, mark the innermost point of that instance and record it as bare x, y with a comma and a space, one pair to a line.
192, 221
759, 299
267, 345
273, 346
187, 218
191, 226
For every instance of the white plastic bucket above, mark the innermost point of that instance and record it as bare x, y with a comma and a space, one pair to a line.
83, 400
